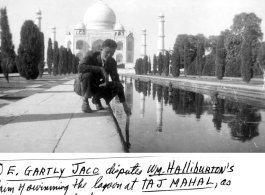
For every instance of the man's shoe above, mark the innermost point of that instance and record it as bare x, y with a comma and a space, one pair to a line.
86, 108
99, 106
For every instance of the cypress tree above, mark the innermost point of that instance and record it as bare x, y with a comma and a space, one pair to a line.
220, 58
60, 64
209, 67
166, 63
65, 61
261, 57
41, 63
69, 55
199, 58
7, 58
55, 56
175, 63
1, 71
29, 51
185, 57
73, 69
77, 60
192, 68
145, 65
49, 56
248, 26
140, 64
149, 65
246, 59
160, 63
154, 65
136, 66
233, 45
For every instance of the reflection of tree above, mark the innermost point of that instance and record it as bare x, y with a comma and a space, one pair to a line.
149, 88
165, 93
141, 86
137, 85
154, 91
244, 126
159, 92
218, 114
144, 86
199, 104
127, 132
186, 102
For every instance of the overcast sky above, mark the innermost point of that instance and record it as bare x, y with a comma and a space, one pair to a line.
208, 17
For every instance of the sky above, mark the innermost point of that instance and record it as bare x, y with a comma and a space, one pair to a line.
208, 17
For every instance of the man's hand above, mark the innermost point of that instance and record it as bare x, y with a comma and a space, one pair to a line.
106, 76
127, 110
102, 85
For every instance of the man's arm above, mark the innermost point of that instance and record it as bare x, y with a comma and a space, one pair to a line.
114, 72
126, 109
86, 64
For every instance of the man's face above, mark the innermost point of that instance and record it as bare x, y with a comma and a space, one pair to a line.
106, 53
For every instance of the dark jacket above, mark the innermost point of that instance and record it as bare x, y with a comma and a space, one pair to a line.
92, 63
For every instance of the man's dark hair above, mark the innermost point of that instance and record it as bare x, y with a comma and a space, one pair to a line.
109, 43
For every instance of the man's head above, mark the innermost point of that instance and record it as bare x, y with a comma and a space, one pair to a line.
108, 49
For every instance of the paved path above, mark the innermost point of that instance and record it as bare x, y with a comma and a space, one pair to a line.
52, 121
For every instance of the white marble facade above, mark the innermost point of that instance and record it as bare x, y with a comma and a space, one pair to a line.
100, 24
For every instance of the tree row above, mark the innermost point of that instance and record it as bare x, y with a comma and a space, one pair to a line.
29, 60
236, 52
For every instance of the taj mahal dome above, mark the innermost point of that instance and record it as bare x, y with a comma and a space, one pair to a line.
100, 24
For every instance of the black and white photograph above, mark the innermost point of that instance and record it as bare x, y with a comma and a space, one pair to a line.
131, 96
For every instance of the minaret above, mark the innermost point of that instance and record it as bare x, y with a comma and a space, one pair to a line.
38, 19
53, 35
143, 48
161, 36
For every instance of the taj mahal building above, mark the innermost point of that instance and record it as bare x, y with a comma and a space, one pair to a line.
99, 25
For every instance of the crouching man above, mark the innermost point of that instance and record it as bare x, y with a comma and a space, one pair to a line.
94, 71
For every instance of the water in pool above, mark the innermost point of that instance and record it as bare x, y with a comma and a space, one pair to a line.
177, 120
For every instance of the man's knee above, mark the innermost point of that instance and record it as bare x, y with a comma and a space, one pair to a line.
118, 85
86, 77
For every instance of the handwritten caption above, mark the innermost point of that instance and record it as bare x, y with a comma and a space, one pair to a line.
104, 176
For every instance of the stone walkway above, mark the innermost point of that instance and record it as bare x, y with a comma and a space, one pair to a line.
52, 121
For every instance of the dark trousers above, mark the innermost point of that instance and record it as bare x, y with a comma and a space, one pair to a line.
90, 83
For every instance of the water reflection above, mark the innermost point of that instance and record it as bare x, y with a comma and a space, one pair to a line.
240, 119
127, 132
159, 115
186, 102
244, 124
118, 111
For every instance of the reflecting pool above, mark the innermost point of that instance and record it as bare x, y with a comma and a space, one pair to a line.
166, 119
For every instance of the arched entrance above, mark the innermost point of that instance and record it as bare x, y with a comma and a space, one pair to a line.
119, 45
97, 45
79, 44
119, 58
